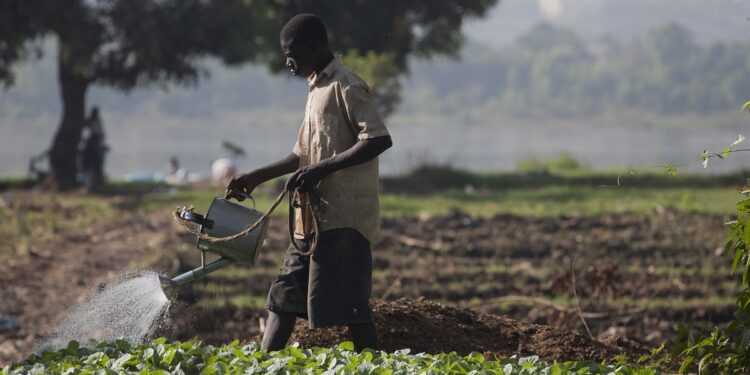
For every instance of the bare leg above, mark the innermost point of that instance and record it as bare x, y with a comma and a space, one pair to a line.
364, 336
279, 328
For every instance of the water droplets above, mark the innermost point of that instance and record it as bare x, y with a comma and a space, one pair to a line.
126, 310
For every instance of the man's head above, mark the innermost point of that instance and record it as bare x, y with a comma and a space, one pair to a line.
304, 41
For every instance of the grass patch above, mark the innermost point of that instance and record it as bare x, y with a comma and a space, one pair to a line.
486, 195
428, 179
14, 183
31, 219
555, 200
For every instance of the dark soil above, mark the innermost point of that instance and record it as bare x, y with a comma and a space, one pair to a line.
424, 326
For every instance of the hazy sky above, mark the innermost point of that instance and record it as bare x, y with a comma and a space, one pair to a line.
709, 19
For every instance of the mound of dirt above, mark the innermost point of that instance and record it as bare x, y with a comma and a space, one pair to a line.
429, 327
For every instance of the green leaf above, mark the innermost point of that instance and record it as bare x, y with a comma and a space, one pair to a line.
73, 345
687, 363
704, 361
671, 170
737, 258
730, 148
148, 355
168, 357
745, 107
119, 362
346, 345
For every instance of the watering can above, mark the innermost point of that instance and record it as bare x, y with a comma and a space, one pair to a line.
223, 218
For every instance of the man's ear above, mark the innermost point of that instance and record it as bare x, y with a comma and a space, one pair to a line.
319, 49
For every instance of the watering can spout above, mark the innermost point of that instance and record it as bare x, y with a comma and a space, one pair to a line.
167, 285
194, 274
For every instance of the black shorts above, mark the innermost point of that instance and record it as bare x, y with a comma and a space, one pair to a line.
331, 287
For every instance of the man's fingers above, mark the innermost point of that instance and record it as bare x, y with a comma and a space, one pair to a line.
304, 184
303, 180
232, 184
292, 182
289, 182
238, 197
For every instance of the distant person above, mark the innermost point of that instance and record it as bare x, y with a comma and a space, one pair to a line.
175, 173
36, 173
93, 151
173, 167
223, 169
336, 159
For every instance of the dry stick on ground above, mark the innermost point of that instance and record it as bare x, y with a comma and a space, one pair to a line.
414, 242
389, 290
575, 295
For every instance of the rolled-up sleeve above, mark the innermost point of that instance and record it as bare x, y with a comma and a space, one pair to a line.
362, 113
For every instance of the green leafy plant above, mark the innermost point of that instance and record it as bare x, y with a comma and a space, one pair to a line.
194, 357
725, 351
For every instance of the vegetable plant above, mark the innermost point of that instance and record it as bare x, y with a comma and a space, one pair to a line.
194, 357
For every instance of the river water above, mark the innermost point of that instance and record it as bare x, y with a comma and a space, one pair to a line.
146, 143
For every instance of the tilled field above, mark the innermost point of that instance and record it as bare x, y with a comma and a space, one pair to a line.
634, 275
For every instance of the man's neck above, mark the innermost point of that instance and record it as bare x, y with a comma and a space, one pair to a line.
323, 62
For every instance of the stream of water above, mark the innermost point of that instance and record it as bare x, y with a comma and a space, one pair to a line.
127, 310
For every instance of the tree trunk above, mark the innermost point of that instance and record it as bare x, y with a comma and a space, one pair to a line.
63, 153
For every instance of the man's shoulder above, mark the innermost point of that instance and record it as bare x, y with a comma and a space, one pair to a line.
345, 78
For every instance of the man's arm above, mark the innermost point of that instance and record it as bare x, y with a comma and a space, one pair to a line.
362, 152
245, 184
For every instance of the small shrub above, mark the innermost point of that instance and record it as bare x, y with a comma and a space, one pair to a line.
563, 162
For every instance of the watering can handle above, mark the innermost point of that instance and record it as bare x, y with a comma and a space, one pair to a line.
242, 195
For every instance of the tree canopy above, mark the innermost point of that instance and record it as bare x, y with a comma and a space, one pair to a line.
551, 71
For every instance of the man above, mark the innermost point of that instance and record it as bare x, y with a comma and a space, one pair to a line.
335, 158
93, 151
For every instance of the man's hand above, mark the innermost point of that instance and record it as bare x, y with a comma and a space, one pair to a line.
241, 186
306, 178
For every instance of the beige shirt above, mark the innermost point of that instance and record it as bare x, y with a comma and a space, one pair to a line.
340, 112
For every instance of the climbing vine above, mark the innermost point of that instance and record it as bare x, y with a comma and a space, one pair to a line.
725, 351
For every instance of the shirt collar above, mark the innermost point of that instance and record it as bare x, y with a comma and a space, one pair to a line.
328, 71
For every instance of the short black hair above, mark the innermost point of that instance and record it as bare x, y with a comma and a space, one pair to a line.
306, 28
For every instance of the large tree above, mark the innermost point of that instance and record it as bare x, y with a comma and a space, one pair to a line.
129, 43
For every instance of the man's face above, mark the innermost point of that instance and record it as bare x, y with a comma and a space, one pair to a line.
300, 58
